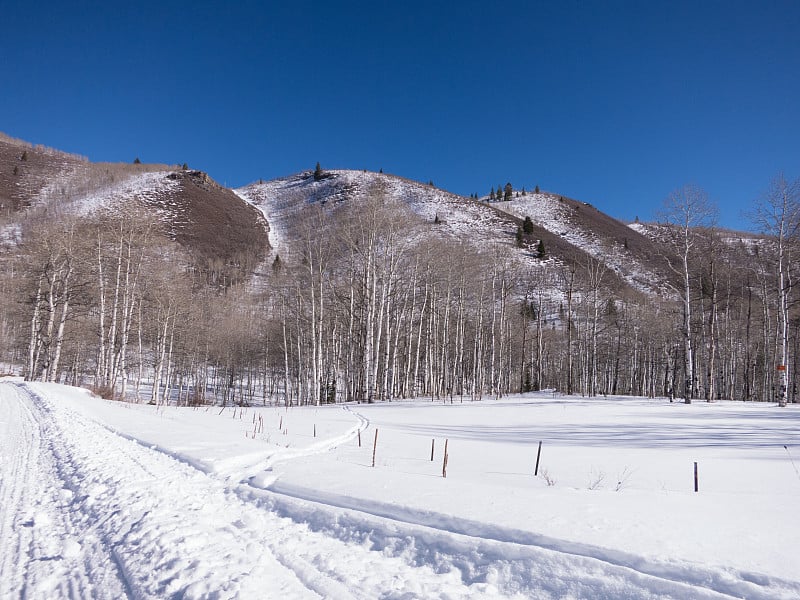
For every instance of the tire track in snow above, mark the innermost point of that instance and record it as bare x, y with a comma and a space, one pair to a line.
160, 517
46, 552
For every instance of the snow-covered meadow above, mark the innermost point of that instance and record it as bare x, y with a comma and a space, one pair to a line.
106, 499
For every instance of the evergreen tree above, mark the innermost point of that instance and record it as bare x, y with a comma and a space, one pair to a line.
536, 190
520, 237
317, 172
185, 167
508, 192
527, 226
136, 161
24, 155
277, 265
540, 251
491, 195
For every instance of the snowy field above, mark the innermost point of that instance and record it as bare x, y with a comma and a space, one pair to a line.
109, 500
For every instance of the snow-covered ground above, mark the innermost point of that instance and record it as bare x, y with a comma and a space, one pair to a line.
108, 500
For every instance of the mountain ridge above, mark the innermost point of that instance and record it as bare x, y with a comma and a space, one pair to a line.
223, 232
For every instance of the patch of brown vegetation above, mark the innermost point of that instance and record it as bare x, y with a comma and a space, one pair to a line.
226, 237
25, 170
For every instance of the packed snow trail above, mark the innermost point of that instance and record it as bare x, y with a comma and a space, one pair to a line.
47, 549
169, 529
89, 513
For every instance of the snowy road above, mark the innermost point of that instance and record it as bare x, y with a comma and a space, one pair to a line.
89, 513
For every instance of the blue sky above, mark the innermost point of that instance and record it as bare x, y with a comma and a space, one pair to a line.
613, 103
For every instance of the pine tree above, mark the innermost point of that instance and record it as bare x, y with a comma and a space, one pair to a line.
317, 172
491, 195
536, 190
136, 161
508, 192
24, 155
520, 237
540, 251
277, 265
527, 226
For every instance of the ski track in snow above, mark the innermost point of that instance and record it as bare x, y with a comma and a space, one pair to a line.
48, 549
88, 512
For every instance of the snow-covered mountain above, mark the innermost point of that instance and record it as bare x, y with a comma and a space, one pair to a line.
573, 233
217, 227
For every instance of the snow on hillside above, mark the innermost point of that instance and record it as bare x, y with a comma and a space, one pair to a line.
554, 214
477, 223
460, 218
748, 244
639, 228
105, 499
150, 188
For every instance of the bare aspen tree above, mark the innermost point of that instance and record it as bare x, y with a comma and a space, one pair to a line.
595, 271
316, 250
777, 213
56, 261
568, 277
684, 211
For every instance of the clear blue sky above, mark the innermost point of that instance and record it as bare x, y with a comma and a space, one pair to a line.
613, 103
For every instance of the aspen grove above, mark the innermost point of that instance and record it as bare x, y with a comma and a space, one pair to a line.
368, 308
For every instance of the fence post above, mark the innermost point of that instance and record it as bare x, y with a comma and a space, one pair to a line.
444, 460
538, 456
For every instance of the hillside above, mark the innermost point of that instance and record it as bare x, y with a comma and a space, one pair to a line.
574, 233
27, 172
224, 236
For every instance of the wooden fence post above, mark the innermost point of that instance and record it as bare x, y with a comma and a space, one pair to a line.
538, 456
444, 460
